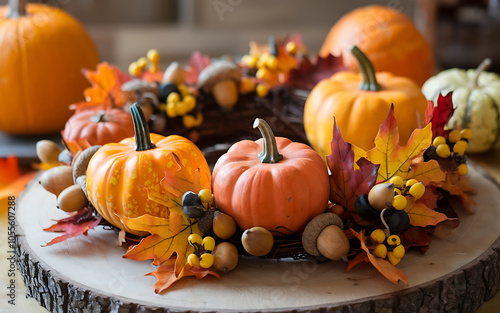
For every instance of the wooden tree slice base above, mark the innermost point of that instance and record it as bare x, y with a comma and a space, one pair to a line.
88, 274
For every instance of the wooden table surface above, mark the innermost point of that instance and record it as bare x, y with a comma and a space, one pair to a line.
490, 162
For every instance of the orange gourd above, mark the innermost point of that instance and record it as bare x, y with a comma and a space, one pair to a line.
99, 127
280, 188
119, 175
389, 39
43, 52
360, 103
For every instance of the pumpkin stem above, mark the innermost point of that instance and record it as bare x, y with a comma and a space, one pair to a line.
481, 68
369, 81
141, 130
17, 8
100, 116
269, 152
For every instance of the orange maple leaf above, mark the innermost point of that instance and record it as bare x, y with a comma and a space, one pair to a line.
383, 266
421, 215
163, 242
105, 91
396, 160
166, 274
12, 181
458, 186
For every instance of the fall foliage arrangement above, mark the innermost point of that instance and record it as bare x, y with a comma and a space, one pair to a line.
386, 168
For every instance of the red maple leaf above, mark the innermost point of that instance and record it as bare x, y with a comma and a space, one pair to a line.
308, 73
346, 182
440, 114
77, 224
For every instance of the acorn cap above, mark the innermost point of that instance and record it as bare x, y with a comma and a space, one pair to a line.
140, 85
217, 72
315, 227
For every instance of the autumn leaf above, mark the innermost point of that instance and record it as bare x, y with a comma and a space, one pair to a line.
439, 115
359, 258
308, 73
389, 271
346, 183
105, 91
77, 224
458, 186
399, 160
163, 242
416, 237
166, 274
197, 62
422, 216
12, 181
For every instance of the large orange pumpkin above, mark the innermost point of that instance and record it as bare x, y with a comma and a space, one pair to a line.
99, 127
43, 52
272, 182
360, 102
119, 175
388, 37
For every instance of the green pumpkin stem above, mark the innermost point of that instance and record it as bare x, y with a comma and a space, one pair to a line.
141, 130
17, 8
366, 68
269, 152
481, 68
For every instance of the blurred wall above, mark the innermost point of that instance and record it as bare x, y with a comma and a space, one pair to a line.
125, 29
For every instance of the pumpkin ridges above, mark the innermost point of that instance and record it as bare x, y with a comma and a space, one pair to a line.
53, 80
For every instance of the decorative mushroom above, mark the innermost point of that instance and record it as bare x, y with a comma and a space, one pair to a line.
221, 79
174, 73
323, 235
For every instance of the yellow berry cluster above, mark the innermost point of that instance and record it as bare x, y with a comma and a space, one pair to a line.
454, 147
269, 67
203, 247
389, 248
412, 188
150, 62
180, 104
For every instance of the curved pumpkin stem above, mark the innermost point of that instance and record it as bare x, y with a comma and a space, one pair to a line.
17, 8
269, 152
141, 130
481, 68
366, 68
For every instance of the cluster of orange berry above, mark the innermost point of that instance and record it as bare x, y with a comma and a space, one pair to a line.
387, 247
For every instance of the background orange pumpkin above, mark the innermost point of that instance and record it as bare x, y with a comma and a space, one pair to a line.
43, 53
389, 39
99, 127
270, 189
120, 174
360, 103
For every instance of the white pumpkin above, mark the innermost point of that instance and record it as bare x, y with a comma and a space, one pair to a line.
476, 100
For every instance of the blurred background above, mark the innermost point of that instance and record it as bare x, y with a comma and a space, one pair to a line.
462, 32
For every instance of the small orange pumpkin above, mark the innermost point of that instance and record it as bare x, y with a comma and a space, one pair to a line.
388, 37
120, 174
43, 52
360, 103
99, 127
276, 191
